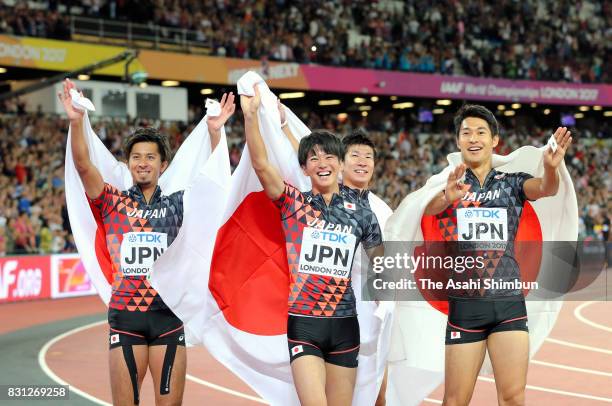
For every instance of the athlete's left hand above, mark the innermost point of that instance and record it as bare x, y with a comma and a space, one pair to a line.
552, 159
227, 109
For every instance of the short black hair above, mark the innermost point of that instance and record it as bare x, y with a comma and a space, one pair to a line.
148, 134
357, 138
326, 140
478, 111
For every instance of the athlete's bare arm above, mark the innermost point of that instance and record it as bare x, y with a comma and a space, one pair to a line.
455, 189
548, 185
89, 174
216, 123
295, 144
267, 174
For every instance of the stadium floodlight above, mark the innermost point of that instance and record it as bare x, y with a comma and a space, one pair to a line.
359, 100
365, 108
608, 113
170, 83
291, 95
596, 108
534, 105
393, 98
501, 107
516, 106
138, 77
579, 115
332, 102
546, 112
313, 48
374, 98
438, 111
206, 91
444, 102
404, 105
509, 113
342, 116
364, 114
2, 70
83, 76
584, 108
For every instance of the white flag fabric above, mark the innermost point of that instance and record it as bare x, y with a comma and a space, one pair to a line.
422, 348
191, 170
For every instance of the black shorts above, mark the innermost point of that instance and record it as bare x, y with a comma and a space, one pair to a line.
335, 339
153, 327
471, 320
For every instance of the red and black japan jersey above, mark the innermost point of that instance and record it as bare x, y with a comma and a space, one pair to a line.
137, 233
321, 241
484, 223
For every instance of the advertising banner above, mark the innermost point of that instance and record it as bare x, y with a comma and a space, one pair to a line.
25, 278
69, 278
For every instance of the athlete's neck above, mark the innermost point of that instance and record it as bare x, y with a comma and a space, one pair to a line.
481, 170
359, 186
147, 191
326, 193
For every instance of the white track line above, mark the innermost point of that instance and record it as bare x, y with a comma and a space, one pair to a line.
558, 392
579, 316
42, 354
225, 390
579, 346
569, 368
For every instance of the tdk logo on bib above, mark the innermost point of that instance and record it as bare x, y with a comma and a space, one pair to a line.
329, 236
140, 250
483, 225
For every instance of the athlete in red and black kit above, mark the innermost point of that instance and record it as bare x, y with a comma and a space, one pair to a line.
482, 213
139, 224
323, 228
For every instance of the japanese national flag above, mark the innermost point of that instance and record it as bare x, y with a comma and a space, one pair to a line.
455, 335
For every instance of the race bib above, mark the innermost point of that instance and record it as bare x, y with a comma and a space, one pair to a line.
140, 250
327, 253
483, 228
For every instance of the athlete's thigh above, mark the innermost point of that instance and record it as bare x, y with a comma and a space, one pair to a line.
168, 365
120, 377
339, 384
462, 364
509, 353
309, 379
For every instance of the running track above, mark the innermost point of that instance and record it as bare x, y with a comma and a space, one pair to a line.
65, 340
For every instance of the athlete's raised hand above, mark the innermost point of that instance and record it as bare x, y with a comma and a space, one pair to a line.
455, 188
250, 104
227, 109
563, 138
64, 96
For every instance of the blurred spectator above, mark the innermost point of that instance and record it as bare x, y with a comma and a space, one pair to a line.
546, 40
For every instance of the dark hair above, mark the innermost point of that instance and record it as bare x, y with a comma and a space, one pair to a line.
327, 141
148, 134
357, 138
478, 111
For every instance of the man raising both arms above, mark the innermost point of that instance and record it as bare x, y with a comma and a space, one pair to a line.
139, 224
492, 320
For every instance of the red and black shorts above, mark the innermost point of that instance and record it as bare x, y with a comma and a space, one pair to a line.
335, 339
474, 319
153, 327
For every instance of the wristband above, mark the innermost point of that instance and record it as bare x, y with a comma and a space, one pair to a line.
284, 123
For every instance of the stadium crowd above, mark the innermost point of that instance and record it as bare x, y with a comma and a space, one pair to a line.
33, 216
533, 39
